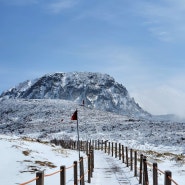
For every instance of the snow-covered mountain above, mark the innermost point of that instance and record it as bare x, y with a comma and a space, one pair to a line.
36, 111
96, 90
45, 119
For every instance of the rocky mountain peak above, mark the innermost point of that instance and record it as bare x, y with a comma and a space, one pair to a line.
97, 90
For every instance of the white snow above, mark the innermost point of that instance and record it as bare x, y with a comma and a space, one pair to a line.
15, 165
163, 142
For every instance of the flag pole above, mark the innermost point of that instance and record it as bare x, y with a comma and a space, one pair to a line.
75, 117
78, 136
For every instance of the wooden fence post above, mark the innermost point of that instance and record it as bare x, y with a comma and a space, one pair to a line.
127, 156
145, 171
112, 149
81, 171
89, 168
123, 155
98, 144
74, 145
93, 143
109, 149
115, 150
75, 173
135, 163
63, 175
87, 147
102, 145
155, 176
80, 145
70, 144
40, 180
141, 169
167, 181
91, 161
119, 151
131, 160
105, 147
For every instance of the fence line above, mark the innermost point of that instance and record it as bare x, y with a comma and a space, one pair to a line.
129, 162
116, 150
40, 175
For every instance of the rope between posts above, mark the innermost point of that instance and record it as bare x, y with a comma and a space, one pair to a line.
172, 180
47, 175
29, 181
168, 176
58, 171
162, 173
148, 163
159, 170
52, 173
70, 167
80, 160
83, 175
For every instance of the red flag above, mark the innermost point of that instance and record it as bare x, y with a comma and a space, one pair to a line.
74, 116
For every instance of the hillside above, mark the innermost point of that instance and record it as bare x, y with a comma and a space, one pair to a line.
34, 121
52, 118
96, 90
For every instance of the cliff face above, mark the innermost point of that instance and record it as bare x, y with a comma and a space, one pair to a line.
96, 90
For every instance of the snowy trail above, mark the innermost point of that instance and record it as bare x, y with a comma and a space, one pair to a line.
110, 170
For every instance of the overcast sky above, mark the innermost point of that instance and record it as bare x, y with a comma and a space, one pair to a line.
141, 43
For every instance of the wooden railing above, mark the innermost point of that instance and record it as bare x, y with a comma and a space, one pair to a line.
129, 157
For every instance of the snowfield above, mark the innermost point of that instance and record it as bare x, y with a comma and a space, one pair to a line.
22, 157
43, 120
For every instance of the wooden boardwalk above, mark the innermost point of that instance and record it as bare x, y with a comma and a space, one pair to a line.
110, 170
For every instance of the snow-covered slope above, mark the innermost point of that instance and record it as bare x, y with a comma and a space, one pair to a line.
97, 90
162, 141
52, 118
27, 156
21, 158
